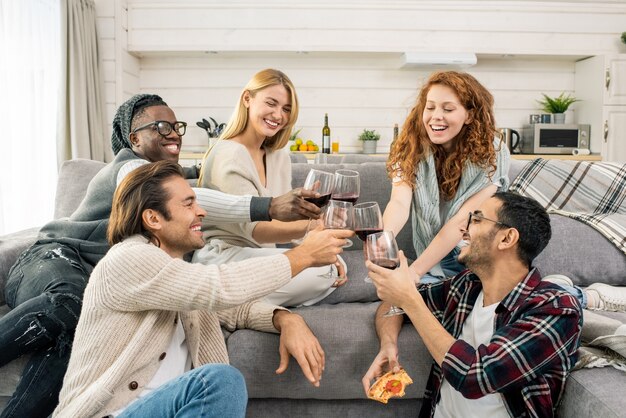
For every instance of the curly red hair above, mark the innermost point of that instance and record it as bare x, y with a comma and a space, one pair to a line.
474, 142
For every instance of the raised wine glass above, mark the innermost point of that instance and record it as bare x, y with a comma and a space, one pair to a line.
367, 220
347, 188
321, 182
337, 215
382, 250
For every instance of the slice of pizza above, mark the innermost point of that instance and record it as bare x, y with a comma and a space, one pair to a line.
389, 385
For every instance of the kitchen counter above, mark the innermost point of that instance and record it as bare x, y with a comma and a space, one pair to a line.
194, 157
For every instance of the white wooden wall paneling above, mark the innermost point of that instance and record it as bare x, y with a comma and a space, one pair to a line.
476, 26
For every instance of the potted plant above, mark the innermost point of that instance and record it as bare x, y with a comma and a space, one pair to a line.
557, 105
369, 138
624, 37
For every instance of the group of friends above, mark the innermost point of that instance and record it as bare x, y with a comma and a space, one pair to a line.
121, 320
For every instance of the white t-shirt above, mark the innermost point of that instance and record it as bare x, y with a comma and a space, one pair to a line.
177, 361
477, 330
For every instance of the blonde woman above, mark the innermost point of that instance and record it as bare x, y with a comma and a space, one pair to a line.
250, 158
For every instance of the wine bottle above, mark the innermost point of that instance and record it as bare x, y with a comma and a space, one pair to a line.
395, 132
326, 136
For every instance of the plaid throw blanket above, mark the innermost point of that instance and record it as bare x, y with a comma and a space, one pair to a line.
591, 192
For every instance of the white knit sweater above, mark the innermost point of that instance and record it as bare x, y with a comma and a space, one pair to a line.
128, 318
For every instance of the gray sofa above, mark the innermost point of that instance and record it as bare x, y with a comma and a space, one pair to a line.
343, 321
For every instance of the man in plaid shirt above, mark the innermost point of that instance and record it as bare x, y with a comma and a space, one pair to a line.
502, 340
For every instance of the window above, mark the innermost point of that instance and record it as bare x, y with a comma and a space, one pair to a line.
29, 84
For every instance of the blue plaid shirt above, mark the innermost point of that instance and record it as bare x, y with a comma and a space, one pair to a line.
534, 345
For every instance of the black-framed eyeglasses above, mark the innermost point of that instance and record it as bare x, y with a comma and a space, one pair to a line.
164, 128
477, 216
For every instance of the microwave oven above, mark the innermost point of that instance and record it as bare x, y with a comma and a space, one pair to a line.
554, 138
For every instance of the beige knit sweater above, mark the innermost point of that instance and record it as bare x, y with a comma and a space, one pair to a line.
231, 170
128, 318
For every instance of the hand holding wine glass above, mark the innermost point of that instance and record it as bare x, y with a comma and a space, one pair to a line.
337, 215
382, 250
322, 183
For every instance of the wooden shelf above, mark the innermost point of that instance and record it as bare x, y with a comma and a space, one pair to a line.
185, 155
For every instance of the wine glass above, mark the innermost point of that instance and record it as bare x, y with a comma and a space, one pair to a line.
337, 215
382, 250
367, 220
347, 188
321, 182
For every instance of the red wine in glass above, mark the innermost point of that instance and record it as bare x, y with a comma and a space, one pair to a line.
386, 263
346, 197
319, 201
363, 233
347, 186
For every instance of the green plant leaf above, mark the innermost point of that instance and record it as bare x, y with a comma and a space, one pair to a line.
294, 135
369, 135
558, 104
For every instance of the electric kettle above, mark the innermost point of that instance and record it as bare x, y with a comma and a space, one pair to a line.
511, 138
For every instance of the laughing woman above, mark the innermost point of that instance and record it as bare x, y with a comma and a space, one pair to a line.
446, 162
250, 158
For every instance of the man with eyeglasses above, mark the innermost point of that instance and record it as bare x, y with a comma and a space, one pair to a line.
45, 286
503, 340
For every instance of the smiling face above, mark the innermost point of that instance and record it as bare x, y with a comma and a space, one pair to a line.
148, 143
181, 233
268, 110
444, 116
480, 237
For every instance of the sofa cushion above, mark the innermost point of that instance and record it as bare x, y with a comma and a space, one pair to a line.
74, 177
581, 253
356, 288
11, 246
11, 372
349, 340
594, 393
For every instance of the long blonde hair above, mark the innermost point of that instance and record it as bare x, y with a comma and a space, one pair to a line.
239, 119
474, 142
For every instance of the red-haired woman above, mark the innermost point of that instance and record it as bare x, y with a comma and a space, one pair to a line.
445, 163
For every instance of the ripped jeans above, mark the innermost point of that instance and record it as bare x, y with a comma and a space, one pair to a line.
44, 289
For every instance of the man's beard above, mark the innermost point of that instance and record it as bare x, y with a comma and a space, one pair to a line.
477, 256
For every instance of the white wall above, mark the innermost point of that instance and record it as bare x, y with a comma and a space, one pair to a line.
345, 58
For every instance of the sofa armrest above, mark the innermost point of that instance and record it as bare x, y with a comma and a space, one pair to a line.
11, 246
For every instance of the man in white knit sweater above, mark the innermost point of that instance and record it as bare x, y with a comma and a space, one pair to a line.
149, 334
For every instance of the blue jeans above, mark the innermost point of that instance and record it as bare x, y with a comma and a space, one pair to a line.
44, 289
450, 266
213, 390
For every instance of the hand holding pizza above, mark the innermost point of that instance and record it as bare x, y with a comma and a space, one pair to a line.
390, 385
385, 361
